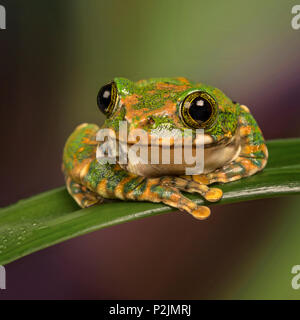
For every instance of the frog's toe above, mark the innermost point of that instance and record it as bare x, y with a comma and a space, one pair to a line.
185, 185
177, 200
200, 213
191, 186
201, 178
209, 194
213, 195
88, 201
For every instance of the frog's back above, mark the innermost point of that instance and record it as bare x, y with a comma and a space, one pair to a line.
80, 147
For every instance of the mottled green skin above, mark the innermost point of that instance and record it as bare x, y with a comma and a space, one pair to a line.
151, 98
155, 104
77, 150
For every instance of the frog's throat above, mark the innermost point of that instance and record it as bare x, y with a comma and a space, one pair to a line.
215, 156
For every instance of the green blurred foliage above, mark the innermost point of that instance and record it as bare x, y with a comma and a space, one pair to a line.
267, 274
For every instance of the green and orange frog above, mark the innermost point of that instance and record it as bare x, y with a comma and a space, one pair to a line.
233, 144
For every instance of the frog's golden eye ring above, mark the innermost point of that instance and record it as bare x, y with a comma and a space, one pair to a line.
107, 98
199, 110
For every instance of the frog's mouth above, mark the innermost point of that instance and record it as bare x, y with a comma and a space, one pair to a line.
149, 140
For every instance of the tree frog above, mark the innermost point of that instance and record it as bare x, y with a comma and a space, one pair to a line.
234, 146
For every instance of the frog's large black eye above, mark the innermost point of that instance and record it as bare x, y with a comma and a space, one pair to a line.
107, 98
199, 110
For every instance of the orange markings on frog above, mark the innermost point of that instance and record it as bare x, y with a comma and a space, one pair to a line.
183, 80
131, 100
171, 87
247, 164
252, 148
245, 131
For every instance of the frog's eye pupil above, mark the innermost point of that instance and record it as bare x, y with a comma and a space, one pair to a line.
106, 98
199, 110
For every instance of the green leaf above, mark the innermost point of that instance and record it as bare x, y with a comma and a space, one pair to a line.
52, 217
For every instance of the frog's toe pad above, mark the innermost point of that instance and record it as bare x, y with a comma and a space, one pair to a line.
201, 212
213, 194
89, 202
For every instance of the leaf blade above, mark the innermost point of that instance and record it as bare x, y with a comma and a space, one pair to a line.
52, 217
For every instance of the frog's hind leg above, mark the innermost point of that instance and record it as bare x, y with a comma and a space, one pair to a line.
83, 196
247, 164
242, 167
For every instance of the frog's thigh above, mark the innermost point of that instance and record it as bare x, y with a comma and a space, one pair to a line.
238, 169
83, 196
187, 184
252, 159
242, 167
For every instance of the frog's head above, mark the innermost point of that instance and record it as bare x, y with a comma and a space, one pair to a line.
165, 107
161, 105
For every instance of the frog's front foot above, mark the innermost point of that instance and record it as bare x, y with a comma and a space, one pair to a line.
177, 200
162, 190
192, 185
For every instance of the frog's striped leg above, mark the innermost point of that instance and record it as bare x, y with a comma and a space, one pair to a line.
81, 194
252, 158
188, 185
110, 181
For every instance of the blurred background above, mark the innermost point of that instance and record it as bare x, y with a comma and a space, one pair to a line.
56, 54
